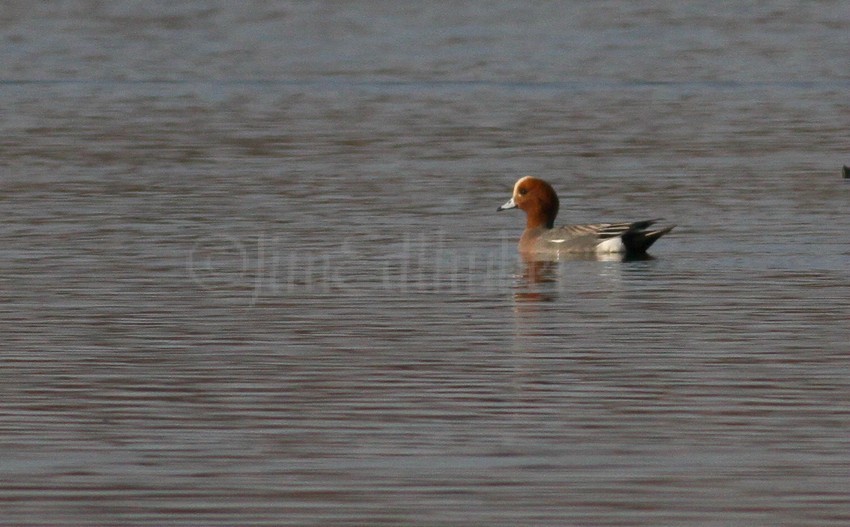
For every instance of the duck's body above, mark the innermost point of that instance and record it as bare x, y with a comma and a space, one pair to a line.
540, 203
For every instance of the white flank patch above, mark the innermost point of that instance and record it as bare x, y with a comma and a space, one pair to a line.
612, 245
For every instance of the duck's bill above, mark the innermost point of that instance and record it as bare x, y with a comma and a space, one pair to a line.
509, 205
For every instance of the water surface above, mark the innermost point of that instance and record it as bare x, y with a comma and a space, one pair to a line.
253, 273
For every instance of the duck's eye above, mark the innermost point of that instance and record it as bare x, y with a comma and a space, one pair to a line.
522, 191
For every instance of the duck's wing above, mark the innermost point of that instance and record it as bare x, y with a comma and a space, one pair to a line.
576, 238
625, 237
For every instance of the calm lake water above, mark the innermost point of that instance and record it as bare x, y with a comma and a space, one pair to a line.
252, 272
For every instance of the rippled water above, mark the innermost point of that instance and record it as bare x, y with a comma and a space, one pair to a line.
253, 273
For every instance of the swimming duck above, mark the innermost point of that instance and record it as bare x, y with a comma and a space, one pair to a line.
540, 203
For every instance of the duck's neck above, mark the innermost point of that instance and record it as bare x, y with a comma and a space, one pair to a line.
541, 213
538, 218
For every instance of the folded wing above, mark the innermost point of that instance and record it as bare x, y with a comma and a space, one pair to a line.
627, 237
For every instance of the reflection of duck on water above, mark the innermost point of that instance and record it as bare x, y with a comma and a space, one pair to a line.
537, 272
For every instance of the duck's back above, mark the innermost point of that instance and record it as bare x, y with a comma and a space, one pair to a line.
626, 237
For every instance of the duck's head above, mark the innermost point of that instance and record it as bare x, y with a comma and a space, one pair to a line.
538, 199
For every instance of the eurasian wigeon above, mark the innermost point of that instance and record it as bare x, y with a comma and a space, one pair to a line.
540, 203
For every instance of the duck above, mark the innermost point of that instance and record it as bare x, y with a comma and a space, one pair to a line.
540, 203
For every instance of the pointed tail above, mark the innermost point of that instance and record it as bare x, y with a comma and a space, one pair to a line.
638, 239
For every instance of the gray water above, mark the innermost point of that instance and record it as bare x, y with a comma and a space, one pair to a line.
252, 272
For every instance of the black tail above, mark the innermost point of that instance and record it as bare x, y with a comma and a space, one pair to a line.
638, 239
